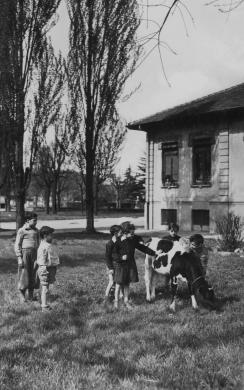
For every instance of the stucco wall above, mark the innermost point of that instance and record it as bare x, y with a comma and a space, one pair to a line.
227, 182
237, 169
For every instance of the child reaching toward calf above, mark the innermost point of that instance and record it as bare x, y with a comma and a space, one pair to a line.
125, 265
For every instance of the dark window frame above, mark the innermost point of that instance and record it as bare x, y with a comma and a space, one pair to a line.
200, 217
202, 161
170, 149
170, 216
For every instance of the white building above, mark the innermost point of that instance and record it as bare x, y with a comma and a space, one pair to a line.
195, 161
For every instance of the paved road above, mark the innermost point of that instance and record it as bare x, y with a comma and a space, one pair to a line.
101, 224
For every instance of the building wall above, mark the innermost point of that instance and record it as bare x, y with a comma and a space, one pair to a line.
225, 193
237, 168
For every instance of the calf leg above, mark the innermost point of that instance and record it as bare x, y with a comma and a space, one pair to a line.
193, 298
153, 285
148, 276
174, 286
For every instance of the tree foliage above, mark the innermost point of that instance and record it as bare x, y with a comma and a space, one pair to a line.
23, 28
103, 54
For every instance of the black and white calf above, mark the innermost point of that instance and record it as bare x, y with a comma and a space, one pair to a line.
160, 266
174, 262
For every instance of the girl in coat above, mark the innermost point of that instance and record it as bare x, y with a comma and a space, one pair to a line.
125, 266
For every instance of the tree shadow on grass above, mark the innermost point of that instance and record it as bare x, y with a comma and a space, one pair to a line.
8, 265
80, 235
84, 260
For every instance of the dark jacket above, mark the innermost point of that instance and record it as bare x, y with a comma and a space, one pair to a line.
111, 254
126, 270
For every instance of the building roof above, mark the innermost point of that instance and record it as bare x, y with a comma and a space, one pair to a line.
222, 101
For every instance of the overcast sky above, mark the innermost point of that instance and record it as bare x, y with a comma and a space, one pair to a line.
209, 59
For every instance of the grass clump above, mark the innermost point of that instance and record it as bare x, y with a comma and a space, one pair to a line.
229, 227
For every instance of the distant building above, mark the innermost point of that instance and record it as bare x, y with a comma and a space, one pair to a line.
195, 161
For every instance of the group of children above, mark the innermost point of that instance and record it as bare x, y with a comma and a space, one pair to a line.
120, 259
37, 260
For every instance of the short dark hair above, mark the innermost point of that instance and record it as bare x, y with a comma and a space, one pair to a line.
29, 216
173, 226
114, 229
45, 231
197, 239
127, 226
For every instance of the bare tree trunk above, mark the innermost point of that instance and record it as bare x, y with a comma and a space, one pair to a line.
8, 194
96, 192
118, 201
54, 197
20, 192
20, 209
58, 200
89, 197
7, 203
89, 133
47, 200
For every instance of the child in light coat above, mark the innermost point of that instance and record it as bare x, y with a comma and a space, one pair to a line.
26, 244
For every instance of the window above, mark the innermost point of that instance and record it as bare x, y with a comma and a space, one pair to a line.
202, 161
200, 220
168, 215
170, 163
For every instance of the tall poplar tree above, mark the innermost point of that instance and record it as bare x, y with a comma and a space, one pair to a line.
23, 28
103, 54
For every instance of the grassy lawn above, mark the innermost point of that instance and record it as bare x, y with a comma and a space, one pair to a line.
80, 345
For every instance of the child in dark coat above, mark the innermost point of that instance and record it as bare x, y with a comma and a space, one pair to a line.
125, 266
110, 257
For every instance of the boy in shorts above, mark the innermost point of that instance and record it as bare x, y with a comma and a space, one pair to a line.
47, 260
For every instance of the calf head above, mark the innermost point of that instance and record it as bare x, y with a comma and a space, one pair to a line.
165, 246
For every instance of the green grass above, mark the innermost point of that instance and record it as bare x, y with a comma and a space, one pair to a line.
80, 345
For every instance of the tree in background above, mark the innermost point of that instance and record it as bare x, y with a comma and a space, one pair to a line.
23, 28
51, 160
117, 184
107, 154
129, 188
103, 54
141, 177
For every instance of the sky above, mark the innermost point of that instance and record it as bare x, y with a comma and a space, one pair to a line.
209, 57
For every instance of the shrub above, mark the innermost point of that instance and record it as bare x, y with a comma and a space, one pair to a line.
229, 227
